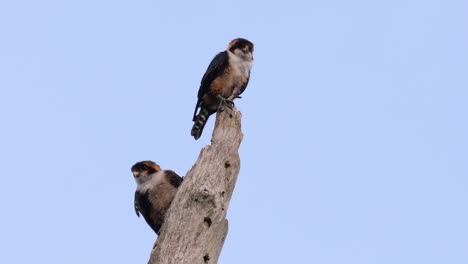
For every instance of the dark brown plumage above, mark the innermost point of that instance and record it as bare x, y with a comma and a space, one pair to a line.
225, 79
156, 188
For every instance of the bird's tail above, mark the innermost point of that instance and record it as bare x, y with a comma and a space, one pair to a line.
199, 122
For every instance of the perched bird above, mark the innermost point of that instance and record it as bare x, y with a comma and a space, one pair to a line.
155, 191
225, 79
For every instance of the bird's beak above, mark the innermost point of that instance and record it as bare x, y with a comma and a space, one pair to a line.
136, 174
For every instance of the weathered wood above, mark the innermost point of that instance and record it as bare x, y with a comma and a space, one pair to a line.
196, 226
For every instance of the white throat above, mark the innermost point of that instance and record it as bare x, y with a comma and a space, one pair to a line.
154, 179
241, 63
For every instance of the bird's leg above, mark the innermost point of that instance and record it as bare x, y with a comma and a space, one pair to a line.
224, 102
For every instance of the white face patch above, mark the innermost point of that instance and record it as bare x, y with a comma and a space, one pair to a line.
144, 184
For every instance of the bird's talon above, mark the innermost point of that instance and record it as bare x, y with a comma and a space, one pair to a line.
224, 102
229, 104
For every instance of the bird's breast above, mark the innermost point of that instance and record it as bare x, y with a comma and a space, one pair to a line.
240, 68
234, 76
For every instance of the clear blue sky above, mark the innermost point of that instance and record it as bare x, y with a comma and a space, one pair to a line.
355, 123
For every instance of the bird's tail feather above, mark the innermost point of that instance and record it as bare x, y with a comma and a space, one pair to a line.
199, 122
196, 108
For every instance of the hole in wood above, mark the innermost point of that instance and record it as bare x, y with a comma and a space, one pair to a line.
230, 115
204, 197
206, 258
207, 221
227, 164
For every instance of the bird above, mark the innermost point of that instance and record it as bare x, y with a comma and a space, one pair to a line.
156, 188
225, 79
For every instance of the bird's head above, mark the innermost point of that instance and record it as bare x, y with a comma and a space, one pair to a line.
242, 48
143, 170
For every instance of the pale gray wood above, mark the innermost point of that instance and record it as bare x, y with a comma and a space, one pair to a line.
196, 226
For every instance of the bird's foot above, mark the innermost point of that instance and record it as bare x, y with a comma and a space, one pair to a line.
224, 102
229, 103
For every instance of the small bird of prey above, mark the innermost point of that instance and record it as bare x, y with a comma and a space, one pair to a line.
156, 188
225, 79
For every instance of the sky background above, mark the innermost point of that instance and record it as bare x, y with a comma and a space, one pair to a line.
355, 127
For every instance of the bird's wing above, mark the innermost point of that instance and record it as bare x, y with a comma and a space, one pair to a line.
218, 63
173, 178
137, 203
143, 206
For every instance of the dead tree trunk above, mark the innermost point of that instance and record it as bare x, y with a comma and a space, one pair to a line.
196, 224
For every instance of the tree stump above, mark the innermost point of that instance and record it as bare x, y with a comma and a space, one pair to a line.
195, 225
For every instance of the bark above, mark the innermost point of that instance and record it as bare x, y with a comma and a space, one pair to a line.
196, 226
